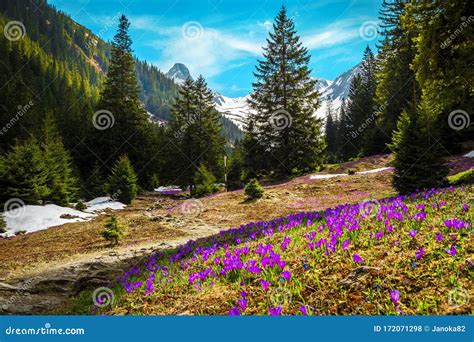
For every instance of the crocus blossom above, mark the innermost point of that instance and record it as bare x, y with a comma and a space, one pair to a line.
357, 259
275, 311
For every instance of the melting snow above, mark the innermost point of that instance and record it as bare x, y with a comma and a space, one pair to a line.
101, 203
32, 218
470, 154
325, 176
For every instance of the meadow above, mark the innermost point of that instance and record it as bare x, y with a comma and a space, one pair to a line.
410, 255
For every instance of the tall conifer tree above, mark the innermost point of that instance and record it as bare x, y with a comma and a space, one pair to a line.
285, 99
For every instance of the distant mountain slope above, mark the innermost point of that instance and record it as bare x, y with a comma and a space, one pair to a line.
84, 53
237, 109
336, 91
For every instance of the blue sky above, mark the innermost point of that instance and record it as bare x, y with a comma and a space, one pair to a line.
222, 39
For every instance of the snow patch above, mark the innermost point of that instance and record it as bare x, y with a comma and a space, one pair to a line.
168, 190
470, 154
325, 176
32, 218
101, 203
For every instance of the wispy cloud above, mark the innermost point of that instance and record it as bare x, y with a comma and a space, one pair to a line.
212, 51
334, 34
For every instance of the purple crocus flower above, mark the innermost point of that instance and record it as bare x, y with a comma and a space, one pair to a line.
242, 303
419, 253
234, 311
357, 259
286, 275
304, 310
345, 245
452, 250
412, 233
465, 207
275, 311
439, 237
395, 296
420, 217
265, 284
149, 287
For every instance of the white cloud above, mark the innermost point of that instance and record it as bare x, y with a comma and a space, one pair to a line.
213, 50
267, 25
208, 52
334, 34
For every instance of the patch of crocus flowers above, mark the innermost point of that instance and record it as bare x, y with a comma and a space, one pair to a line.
258, 255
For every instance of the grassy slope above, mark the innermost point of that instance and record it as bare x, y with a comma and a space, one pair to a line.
332, 283
55, 246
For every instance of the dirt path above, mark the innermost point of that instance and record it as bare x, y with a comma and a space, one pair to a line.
40, 271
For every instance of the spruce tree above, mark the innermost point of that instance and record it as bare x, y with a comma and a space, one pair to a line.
418, 162
396, 83
60, 179
125, 128
122, 183
113, 231
205, 182
25, 173
195, 132
285, 99
95, 183
331, 132
235, 168
349, 120
253, 189
181, 151
209, 128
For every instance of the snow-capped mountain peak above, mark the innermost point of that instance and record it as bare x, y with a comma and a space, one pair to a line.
235, 109
337, 91
179, 73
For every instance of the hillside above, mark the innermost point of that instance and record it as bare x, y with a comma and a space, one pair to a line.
368, 258
84, 54
161, 223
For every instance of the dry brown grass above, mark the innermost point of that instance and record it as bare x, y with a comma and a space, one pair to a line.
41, 250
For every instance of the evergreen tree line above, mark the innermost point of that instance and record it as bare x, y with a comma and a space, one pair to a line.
118, 149
401, 100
